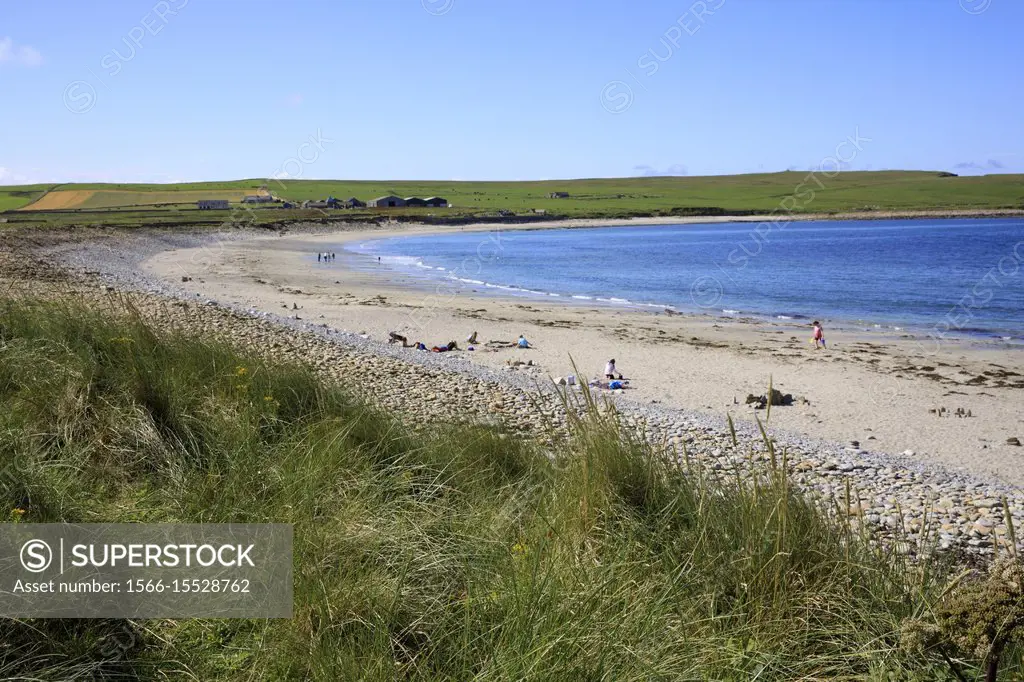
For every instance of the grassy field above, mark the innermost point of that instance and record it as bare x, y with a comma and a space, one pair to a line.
855, 191
796, 192
120, 198
452, 555
75, 196
15, 197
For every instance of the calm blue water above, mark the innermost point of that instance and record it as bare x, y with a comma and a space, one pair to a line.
964, 276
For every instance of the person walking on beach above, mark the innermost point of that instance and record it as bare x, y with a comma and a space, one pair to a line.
319, 256
818, 335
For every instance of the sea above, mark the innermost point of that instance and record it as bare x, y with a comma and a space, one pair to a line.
948, 277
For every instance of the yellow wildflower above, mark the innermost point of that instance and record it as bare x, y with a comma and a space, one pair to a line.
241, 371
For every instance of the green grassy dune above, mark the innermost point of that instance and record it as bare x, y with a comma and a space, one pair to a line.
453, 555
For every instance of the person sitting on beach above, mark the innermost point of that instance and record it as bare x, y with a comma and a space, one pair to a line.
522, 342
609, 370
818, 335
471, 339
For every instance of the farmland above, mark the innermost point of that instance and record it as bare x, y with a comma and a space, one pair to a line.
795, 192
15, 197
100, 199
853, 191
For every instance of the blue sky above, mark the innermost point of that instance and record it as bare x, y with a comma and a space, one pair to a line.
182, 90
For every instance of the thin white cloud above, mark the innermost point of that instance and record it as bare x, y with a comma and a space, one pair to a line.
10, 177
990, 164
676, 169
18, 55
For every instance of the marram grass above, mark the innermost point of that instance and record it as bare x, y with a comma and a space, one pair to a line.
456, 555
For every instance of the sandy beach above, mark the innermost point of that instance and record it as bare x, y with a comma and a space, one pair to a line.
890, 393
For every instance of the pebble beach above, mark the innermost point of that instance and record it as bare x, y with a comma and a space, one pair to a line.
911, 504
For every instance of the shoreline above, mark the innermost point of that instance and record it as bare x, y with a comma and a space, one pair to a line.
886, 329
425, 281
893, 489
923, 214
868, 388
558, 223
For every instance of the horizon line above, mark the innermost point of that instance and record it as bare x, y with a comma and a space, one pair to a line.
517, 181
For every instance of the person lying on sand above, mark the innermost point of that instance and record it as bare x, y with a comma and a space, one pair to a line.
444, 349
613, 385
494, 343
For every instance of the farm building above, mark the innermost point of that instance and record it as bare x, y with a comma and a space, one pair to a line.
352, 202
436, 202
212, 204
389, 201
415, 202
559, 195
257, 199
329, 202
